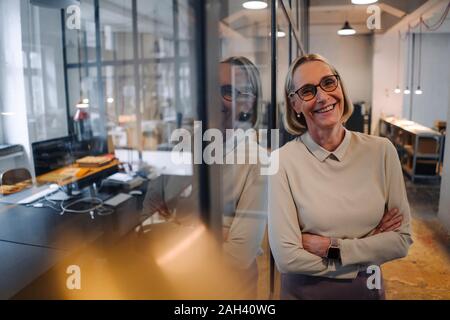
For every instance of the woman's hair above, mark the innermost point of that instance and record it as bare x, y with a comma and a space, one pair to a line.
254, 79
297, 126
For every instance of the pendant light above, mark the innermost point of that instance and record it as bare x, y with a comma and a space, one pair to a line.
407, 91
364, 1
254, 5
346, 30
397, 89
419, 90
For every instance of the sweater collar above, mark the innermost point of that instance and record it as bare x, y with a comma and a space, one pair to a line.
322, 154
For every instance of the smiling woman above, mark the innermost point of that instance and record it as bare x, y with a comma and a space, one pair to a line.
331, 216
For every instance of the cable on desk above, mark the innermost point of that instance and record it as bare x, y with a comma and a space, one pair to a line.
97, 205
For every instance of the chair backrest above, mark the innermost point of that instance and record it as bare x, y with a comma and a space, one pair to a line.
13, 176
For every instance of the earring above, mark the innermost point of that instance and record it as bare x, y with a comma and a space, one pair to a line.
298, 115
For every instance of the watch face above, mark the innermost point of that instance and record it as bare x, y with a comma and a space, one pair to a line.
334, 253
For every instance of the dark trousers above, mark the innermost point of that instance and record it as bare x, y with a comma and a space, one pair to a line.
304, 287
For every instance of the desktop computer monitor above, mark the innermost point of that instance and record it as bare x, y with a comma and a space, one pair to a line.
57, 153
52, 154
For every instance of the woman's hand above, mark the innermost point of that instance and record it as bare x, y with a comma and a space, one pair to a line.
391, 221
318, 245
315, 244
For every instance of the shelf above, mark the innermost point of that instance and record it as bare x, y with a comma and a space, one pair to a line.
430, 156
415, 144
410, 151
409, 172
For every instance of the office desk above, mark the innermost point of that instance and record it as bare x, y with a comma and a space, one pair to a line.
46, 228
58, 176
34, 240
22, 264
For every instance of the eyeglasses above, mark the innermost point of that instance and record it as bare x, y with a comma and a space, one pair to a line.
228, 92
309, 91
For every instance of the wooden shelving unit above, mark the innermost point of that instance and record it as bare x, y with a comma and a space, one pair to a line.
419, 147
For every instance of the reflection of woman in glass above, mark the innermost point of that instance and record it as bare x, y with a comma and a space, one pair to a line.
333, 203
240, 87
245, 193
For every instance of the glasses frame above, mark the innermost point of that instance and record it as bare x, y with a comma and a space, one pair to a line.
296, 92
236, 93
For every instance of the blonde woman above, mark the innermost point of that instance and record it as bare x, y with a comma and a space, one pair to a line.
338, 202
244, 188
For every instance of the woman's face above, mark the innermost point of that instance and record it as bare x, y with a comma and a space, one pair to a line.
326, 109
237, 97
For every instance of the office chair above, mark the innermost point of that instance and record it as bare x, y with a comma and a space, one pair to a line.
14, 176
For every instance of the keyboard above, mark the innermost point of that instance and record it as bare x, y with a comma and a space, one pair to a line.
117, 200
38, 195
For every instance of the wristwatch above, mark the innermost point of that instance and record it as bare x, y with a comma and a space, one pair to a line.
334, 251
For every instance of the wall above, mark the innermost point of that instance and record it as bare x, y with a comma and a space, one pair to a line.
352, 56
387, 74
432, 104
44, 73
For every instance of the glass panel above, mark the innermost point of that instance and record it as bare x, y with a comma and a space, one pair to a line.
156, 28
116, 25
43, 79
81, 44
121, 110
140, 90
83, 90
245, 82
294, 47
287, 4
282, 68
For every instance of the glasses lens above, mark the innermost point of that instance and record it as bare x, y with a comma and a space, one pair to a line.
307, 92
227, 92
329, 83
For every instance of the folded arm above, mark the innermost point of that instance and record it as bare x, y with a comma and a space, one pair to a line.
284, 234
391, 239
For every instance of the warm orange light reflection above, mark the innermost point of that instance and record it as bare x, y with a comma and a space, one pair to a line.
183, 245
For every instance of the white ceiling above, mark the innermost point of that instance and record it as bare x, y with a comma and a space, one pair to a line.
157, 15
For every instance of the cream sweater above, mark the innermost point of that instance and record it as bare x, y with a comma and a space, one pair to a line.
341, 194
245, 203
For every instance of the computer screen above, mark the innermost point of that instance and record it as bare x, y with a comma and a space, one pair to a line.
53, 154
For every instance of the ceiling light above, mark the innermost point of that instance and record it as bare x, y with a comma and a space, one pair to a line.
254, 5
110, 100
82, 104
281, 34
418, 91
346, 30
407, 91
397, 90
364, 1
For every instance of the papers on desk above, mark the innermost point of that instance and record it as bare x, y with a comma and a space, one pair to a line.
125, 180
29, 195
97, 161
64, 174
120, 177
